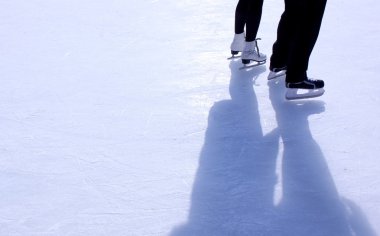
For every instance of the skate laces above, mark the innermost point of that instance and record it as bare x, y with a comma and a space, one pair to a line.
257, 47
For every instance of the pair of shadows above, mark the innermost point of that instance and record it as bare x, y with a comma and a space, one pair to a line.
235, 185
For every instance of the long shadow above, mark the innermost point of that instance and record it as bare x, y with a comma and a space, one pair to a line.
310, 203
234, 185
233, 193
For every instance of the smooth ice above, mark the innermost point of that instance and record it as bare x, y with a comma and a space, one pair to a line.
126, 118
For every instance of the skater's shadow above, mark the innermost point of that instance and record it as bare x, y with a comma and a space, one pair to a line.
233, 189
310, 204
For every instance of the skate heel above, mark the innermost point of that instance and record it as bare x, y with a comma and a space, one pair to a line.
233, 53
245, 61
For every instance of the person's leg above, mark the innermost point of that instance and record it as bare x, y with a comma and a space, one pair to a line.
251, 50
315, 11
285, 35
308, 25
241, 16
253, 18
238, 41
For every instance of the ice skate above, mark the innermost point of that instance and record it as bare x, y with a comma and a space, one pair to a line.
304, 89
276, 72
237, 45
251, 53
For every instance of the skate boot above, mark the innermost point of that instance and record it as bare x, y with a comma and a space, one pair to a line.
251, 53
307, 88
276, 72
237, 44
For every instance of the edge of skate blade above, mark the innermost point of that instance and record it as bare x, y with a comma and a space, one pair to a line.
234, 54
276, 75
233, 57
254, 64
291, 94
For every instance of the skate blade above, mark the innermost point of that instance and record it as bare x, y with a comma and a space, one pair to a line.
295, 94
274, 75
233, 57
254, 64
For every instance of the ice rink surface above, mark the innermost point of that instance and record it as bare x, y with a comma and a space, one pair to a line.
124, 118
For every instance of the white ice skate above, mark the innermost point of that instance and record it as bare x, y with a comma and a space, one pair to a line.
305, 89
237, 45
251, 53
276, 73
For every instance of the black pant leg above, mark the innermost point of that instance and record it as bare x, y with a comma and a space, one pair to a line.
307, 19
253, 19
316, 11
280, 49
241, 16
248, 14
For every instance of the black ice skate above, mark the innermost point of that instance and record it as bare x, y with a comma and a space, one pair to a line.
304, 89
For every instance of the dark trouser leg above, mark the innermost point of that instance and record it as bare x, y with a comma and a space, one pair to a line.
297, 33
308, 25
280, 50
248, 14
253, 19
240, 16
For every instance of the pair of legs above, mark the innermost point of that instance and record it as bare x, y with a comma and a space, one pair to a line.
297, 34
248, 15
